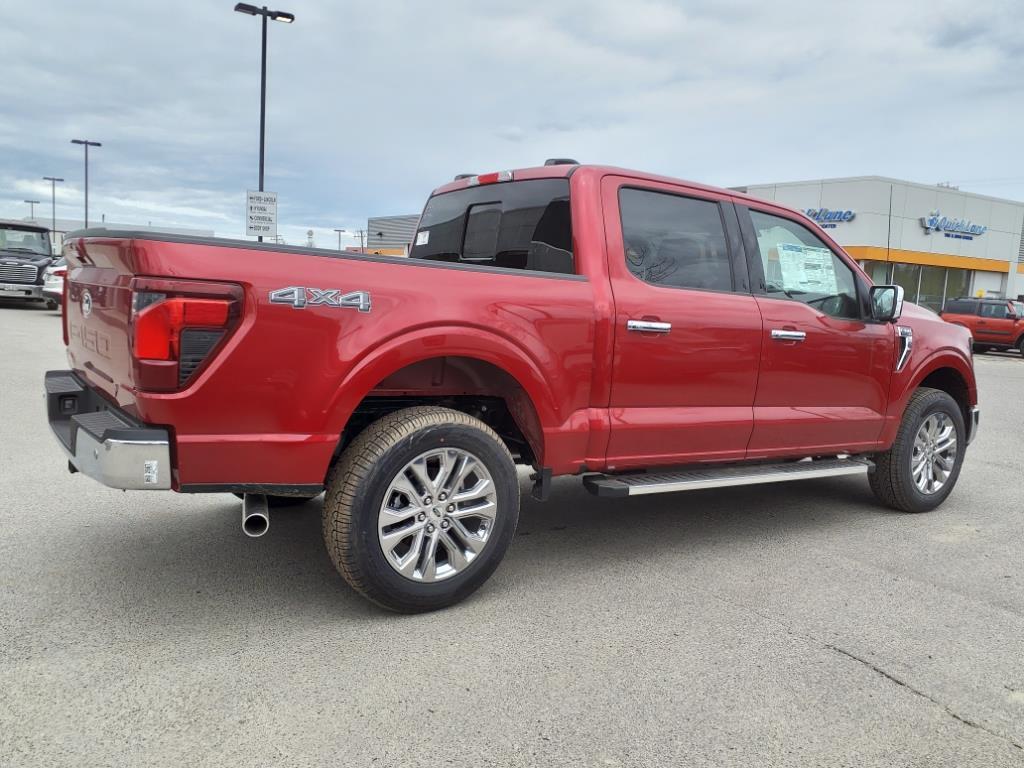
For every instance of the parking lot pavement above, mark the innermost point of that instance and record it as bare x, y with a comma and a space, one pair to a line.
784, 625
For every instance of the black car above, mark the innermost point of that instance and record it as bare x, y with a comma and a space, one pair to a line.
24, 256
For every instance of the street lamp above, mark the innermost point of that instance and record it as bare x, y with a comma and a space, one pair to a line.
282, 16
86, 143
340, 233
53, 204
31, 208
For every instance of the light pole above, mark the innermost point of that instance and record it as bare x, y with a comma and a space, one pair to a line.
340, 233
282, 16
53, 205
31, 208
86, 143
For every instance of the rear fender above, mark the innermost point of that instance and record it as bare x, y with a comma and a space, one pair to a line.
397, 353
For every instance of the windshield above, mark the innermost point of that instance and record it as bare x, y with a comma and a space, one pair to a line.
25, 240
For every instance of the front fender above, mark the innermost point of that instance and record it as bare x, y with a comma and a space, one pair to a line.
924, 363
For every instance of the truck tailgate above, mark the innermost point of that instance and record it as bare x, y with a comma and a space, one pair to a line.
97, 313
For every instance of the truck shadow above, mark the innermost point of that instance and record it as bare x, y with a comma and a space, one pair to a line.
195, 560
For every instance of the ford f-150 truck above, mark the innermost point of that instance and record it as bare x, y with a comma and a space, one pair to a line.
646, 333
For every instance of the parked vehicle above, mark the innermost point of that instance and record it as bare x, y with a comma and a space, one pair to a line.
649, 334
53, 282
24, 255
993, 323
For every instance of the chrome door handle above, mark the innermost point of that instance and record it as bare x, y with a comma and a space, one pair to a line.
648, 326
780, 335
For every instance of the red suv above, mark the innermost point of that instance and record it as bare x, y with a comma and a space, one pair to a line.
993, 323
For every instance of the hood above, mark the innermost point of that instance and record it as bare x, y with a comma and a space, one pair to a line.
21, 257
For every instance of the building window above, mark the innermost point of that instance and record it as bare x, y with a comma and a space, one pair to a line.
932, 287
958, 283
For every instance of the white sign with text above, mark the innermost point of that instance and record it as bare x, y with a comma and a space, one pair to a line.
260, 214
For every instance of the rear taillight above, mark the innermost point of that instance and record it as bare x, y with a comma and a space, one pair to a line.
64, 310
176, 326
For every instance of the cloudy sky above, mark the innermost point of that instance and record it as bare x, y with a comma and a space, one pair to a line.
372, 104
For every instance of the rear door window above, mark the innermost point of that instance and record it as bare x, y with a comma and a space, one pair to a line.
999, 311
515, 225
675, 241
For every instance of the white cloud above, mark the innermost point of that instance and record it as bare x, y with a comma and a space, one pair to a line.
371, 105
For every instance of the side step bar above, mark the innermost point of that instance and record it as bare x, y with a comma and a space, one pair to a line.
637, 484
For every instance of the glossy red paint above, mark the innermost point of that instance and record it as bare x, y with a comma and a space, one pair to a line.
272, 403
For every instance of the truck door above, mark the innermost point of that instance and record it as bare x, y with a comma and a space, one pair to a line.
825, 365
995, 323
687, 330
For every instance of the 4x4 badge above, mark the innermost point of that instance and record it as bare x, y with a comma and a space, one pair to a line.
300, 298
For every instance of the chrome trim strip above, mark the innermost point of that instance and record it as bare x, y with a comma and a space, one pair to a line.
648, 326
905, 336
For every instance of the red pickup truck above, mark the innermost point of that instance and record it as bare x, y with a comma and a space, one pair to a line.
646, 333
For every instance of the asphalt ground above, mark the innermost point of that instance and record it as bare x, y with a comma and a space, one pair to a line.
790, 625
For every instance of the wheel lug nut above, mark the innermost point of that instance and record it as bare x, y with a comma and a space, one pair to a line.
442, 496
445, 523
426, 499
451, 507
421, 517
430, 528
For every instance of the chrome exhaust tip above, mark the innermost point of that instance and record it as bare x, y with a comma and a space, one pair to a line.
255, 515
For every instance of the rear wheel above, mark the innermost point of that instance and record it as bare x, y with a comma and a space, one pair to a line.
51, 304
421, 508
1020, 345
922, 467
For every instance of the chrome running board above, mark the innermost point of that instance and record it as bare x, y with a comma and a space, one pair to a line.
640, 483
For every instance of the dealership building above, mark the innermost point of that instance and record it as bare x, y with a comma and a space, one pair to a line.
937, 242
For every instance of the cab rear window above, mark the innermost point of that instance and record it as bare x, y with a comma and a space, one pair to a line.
515, 225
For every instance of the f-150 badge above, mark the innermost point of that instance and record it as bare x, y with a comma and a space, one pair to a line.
300, 298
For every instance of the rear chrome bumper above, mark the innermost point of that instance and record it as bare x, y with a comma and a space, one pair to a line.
972, 423
104, 442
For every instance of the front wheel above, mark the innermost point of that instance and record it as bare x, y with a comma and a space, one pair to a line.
421, 508
921, 468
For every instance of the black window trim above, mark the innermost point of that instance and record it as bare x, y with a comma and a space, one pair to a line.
756, 267
732, 257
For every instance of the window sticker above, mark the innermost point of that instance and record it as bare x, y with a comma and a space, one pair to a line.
422, 238
807, 269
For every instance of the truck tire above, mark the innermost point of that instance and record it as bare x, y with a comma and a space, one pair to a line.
1020, 345
421, 508
922, 467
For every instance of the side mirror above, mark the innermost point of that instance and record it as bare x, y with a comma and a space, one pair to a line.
886, 303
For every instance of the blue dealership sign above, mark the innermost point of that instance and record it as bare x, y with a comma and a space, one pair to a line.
828, 219
960, 229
